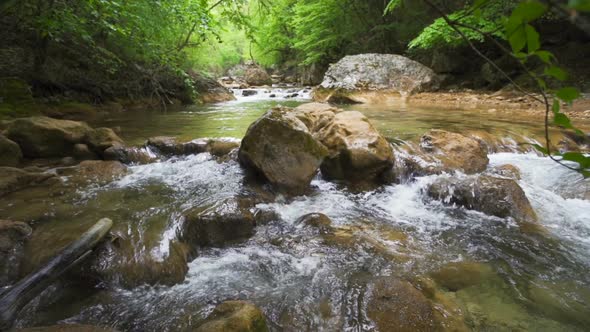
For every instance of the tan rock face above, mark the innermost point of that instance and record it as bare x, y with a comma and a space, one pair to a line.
43, 137
455, 151
100, 171
396, 305
235, 316
356, 149
500, 197
280, 147
287, 146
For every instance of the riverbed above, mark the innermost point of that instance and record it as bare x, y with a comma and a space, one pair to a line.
513, 279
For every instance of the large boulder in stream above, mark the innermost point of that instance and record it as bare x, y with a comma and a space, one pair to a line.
10, 152
500, 197
369, 78
281, 148
455, 151
235, 316
287, 146
43, 137
357, 152
13, 234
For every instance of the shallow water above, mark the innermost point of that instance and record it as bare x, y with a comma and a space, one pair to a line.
535, 280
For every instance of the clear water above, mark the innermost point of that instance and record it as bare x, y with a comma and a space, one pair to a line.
538, 279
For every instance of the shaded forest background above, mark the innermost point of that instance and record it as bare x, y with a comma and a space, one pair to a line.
100, 50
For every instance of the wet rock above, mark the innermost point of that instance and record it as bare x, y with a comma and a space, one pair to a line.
13, 234
247, 93
455, 151
118, 263
10, 152
235, 316
256, 76
13, 179
128, 155
281, 148
357, 152
272, 95
100, 171
395, 305
448, 313
507, 171
43, 137
67, 328
317, 220
82, 152
555, 300
353, 75
101, 139
211, 91
500, 197
223, 222
220, 147
458, 275
169, 146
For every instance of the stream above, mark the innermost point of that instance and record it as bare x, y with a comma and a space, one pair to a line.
518, 279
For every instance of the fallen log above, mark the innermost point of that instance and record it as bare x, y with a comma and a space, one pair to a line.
14, 299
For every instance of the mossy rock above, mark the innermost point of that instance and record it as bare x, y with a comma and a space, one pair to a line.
235, 316
458, 275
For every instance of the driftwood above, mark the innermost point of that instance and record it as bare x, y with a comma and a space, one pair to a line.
13, 300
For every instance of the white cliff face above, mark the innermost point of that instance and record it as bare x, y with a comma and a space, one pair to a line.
379, 72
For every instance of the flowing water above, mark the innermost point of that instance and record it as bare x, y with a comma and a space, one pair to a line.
518, 279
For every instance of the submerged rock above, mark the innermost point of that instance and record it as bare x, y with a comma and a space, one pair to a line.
395, 305
500, 197
357, 152
67, 328
458, 275
10, 152
100, 171
355, 77
220, 223
13, 179
13, 235
455, 151
281, 148
235, 316
43, 137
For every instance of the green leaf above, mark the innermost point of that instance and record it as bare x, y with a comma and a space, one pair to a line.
517, 38
556, 106
545, 56
529, 10
581, 5
577, 157
562, 120
568, 94
533, 41
540, 148
556, 72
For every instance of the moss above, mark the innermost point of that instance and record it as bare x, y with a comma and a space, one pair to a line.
16, 100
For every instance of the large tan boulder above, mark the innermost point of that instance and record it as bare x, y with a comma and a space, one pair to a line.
374, 78
455, 151
235, 316
281, 148
43, 137
10, 152
500, 197
357, 152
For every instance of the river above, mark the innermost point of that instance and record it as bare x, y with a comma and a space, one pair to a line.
517, 279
